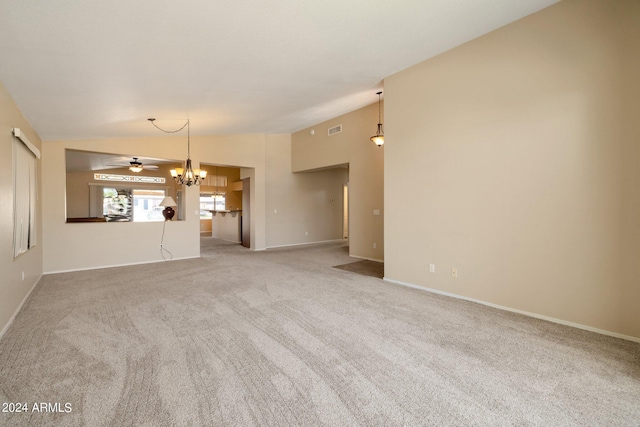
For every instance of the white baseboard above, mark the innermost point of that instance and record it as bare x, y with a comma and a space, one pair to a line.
515, 310
305, 243
368, 259
15, 313
117, 265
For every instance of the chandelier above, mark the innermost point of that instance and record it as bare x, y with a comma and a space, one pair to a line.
187, 175
378, 138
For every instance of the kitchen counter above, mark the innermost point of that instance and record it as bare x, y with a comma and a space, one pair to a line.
225, 225
224, 212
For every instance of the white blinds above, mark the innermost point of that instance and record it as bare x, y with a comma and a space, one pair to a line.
25, 198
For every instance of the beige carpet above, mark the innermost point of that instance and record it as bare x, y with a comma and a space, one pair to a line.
281, 338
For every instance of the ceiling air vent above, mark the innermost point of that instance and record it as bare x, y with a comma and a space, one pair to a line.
334, 130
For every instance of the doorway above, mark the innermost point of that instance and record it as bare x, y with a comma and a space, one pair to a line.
220, 203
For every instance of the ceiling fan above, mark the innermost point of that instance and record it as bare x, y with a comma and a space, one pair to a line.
136, 166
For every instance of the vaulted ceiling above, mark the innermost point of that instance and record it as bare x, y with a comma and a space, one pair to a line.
93, 68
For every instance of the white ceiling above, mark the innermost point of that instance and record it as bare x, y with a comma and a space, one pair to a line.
95, 68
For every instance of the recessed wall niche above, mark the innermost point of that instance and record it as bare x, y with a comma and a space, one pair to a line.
104, 187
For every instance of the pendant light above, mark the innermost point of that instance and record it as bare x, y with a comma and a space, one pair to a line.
378, 138
187, 175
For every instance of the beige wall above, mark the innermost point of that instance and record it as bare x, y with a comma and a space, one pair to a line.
301, 207
514, 158
93, 245
77, 194
206, 227
13, 288
366, 175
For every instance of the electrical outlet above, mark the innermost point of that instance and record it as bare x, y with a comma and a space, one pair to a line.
306, 233
375, 246
454, 272
23, 276
432, 268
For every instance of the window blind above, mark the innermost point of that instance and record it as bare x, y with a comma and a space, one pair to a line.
25, 199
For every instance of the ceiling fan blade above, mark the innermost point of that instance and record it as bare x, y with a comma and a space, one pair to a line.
130, 163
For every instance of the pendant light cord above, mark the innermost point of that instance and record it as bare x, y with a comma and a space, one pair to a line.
153, 122
168, 131
162, 248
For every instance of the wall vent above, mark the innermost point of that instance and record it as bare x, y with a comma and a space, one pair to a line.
334, 130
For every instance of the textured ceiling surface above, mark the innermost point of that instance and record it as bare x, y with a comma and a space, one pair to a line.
93, 69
